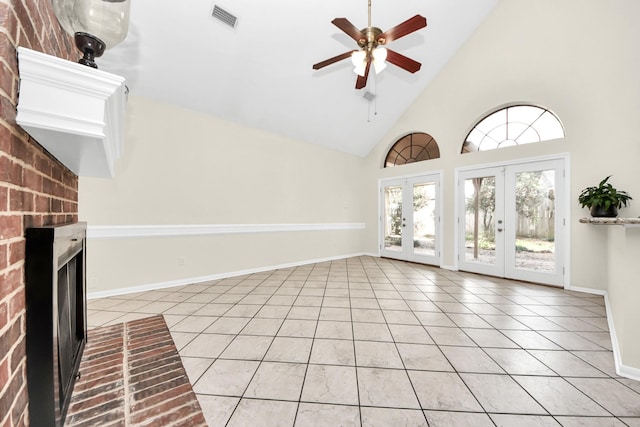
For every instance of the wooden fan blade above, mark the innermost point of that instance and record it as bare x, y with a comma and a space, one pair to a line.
362, 80
345, 25
332, 60
401, 30
402, 61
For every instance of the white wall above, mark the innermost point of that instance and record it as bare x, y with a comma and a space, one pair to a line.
578, 58
185, 168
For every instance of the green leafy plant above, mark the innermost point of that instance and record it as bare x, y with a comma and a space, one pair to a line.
603, 196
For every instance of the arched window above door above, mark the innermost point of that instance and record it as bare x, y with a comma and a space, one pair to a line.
415, 147
511, 126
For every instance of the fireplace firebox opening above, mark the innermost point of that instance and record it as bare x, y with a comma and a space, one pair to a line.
55, 298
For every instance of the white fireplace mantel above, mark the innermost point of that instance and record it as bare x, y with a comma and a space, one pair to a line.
74, 111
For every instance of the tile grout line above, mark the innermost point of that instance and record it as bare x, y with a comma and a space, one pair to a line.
355, 354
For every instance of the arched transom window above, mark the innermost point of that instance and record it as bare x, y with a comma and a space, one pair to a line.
516, 125
415, 147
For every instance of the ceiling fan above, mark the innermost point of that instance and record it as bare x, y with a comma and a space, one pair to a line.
370, 40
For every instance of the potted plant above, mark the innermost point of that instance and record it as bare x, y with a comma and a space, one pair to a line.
603, 200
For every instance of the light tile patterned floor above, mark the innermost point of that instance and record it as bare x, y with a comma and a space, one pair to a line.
374, 342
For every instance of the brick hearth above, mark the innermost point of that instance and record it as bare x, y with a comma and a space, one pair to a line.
132, 375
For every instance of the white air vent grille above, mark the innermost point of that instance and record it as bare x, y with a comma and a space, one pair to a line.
223, 16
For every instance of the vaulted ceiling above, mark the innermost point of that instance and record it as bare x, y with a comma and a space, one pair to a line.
259, 73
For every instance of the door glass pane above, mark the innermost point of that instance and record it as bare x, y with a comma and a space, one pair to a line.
480, 204
424, 219
535, 220
393, 219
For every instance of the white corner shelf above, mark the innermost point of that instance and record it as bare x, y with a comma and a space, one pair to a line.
74, 111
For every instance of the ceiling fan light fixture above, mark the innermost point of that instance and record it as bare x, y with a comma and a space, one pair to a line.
379, 58
379, 66
359, 61
358, 57
371, 52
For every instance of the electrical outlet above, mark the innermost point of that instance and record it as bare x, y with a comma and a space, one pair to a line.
182, 260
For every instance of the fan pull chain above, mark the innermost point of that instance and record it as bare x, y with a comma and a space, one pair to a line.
369, 112
375, 100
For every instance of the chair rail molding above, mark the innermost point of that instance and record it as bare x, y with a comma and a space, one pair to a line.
127, 231
74, 111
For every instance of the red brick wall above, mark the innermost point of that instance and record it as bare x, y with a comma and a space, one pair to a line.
35, 190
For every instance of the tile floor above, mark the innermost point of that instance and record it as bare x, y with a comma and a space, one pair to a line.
375, 342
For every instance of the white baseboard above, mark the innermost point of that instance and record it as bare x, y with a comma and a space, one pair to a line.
622, 370
200, 279
628, 372
587, 290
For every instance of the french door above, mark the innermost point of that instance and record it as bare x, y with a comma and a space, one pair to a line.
511, 221
410, 219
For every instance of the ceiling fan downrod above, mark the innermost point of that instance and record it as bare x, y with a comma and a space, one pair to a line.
370, 42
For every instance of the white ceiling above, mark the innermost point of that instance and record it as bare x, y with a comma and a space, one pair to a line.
259, 74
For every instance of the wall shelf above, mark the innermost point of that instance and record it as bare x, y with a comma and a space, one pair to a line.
625, 222
74, 111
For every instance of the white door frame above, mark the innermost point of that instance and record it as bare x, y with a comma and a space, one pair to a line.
427, 176
566, 229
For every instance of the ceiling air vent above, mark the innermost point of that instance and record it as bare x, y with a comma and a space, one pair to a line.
223, 16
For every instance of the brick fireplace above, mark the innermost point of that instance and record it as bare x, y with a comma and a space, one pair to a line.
35, 190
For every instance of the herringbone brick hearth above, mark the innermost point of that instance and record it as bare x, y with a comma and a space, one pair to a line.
132, 375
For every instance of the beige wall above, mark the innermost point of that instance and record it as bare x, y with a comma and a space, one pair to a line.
624, 294
578, 58
185, 168
128, 264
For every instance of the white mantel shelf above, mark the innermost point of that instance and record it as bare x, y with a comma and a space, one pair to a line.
625, 222
74, 111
